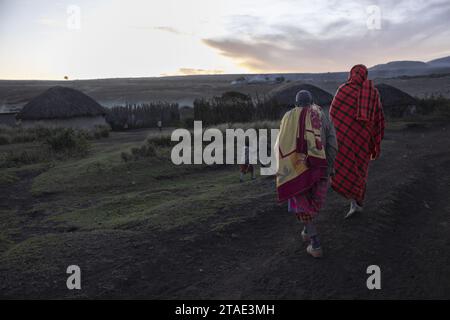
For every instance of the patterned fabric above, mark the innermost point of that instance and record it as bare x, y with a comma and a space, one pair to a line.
301, 160
306, 205
357, 114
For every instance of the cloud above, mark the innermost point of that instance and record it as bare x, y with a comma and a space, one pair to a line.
193, 71
48, 22
337, 41
168, 29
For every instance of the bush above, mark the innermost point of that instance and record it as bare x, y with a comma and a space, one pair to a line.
101, 131
187, 123
443, 110
126, 156
159, 141
147, 150
68, 141
23, 157
438, 106
4, 139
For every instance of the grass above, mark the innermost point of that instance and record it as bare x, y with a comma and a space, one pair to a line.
102, 191
119, 195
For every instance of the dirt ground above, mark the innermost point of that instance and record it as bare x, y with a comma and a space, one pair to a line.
405, 229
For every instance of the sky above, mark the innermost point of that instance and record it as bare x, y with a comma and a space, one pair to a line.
91, 39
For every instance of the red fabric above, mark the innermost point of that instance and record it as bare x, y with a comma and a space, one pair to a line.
302, 183
307, 204
357, 115
244, 168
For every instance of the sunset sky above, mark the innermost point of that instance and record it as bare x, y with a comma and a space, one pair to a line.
43, 40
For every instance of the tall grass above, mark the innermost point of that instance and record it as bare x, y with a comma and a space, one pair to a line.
50, 144
12, 135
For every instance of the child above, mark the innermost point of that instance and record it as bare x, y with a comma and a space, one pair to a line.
246, 167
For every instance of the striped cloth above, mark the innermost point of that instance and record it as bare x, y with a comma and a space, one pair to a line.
357, 115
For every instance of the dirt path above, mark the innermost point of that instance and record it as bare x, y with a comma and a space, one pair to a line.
405, 229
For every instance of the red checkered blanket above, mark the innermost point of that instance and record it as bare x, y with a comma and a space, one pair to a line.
357, 115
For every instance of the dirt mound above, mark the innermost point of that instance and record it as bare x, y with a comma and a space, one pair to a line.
285, 94
60, 103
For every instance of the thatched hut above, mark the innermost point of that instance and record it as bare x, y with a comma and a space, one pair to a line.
62, 107
235, 96
396, 103
285, 94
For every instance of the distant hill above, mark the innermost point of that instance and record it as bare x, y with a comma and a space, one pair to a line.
399, 65
411, 68
440, 62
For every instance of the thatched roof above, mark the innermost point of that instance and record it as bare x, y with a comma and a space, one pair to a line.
60, 103
391, 96
285, 94
235, 95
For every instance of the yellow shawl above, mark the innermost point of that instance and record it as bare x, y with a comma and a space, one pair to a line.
298, 170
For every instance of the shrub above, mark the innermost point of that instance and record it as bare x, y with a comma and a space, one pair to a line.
438, 106
147, 150
68, 141
101, 131
135, 152
4, 139
126, 156
23, 157
187, 123
160, 141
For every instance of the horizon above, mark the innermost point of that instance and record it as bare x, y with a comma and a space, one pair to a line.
81, 40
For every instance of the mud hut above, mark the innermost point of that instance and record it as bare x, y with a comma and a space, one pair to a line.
396, 103
284, 95
62, 107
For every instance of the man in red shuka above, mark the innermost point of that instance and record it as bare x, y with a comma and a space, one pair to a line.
357, 115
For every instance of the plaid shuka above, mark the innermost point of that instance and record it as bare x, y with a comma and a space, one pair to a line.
357, 115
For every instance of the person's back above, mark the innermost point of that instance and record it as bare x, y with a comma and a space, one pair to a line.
306, 148
357, 114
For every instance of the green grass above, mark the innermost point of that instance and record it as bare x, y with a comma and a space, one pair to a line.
135, 195
102, 193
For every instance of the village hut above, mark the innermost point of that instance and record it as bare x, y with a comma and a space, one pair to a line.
234, 96
284, 95
62, 107
396, 103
